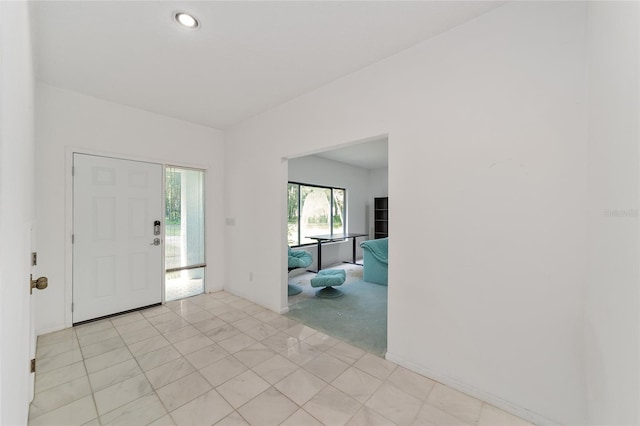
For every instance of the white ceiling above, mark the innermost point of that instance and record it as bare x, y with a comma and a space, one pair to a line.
247, 57
368, 155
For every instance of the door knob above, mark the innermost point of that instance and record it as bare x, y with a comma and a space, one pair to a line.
41, 283
156, 242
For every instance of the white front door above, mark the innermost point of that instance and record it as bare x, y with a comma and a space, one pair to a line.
116, 265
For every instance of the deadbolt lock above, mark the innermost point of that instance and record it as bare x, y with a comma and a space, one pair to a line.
41, 283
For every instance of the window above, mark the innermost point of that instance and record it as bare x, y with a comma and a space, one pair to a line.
184, 233
314, 210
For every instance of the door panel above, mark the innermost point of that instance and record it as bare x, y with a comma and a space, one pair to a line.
115, 265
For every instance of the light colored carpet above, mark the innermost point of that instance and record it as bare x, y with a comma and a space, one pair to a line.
359, 317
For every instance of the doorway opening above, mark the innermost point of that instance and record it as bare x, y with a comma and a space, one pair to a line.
359, 172
184, 232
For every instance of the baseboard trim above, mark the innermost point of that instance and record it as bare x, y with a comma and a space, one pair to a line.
473, 391
251, 299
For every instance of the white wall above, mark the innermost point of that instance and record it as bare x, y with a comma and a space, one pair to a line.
67, 120
321, 171
16, 209
613, 294
487, 170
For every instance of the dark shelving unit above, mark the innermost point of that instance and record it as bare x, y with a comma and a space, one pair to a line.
381, 217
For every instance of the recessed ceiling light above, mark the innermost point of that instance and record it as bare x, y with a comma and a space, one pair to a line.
185, 20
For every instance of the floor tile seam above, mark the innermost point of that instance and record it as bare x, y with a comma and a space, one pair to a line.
116, 383
93, 394
145, 353
413, 419
132, 357
233, 337
299, 407
298, 367
76, 327
102, 353
422, 400
155, 391
411, 422
147, 317
212, 388
229, 379
131, 402
183, 339
236, 410
30, 419
325, 384
174, 347
68, 403
364, 371
382, 382
80, 339
40, 347
164, 363
93, 390
457, 415
63, 405
124, 315
192, 322
173, 381
196, 322
260, 363
486, 404
123, 333
308, 413
426, 400
40, 358
39, 341
319, 376
127, 344
36, 392
215, 318
335, 388
322, 351
463, 422
50, 371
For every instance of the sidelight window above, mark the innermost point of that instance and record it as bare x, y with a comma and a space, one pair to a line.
184, 233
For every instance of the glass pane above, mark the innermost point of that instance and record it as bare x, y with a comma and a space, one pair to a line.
184, 218
315, 212
181, 284
184, 227
338, 211
292, 221
172, 218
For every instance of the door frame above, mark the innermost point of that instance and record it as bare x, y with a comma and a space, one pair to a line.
68, 225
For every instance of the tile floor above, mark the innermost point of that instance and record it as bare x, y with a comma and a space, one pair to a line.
219, 359
182, 287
